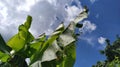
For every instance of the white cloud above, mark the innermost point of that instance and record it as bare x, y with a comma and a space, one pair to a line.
92, 1
47, 14
72, 12
26, 6
101, 40
88, 27
89, 40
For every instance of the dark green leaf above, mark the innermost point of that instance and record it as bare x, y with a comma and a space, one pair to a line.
3, 46
69, 59
18, 61
6, 64
51, 63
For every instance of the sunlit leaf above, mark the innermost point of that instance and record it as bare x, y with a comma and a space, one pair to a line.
27, 23
38, 55
50, 52
67, 36
81, 16
37, 43
58, 50
4, 57
18, 41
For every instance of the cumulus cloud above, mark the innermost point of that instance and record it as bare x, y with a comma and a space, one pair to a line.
88, 27
47, 14
101, 40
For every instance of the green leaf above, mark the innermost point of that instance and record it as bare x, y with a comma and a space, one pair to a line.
66, 40
51, 63
18, 61
34, 46
38, 55
27, 23
22, 28
29, 38
4, 50
3, 47
36, 64
50, 52
4, 57
70, 52
18, 41
6, 64
70, 56
37, 43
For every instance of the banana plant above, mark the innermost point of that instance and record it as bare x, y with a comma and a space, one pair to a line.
57, 50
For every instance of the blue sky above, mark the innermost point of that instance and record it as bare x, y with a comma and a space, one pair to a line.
103, 22
106, 15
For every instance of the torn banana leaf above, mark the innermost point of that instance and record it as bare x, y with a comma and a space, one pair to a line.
81, 16
66, 40
38, 55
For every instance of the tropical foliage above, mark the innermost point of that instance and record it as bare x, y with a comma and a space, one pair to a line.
57, 50
112, 53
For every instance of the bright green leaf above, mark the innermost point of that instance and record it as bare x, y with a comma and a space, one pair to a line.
27, 23
18, 41
37, 43
4, 57
38, 55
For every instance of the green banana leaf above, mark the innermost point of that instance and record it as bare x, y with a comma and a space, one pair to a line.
38, 55
18, 41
